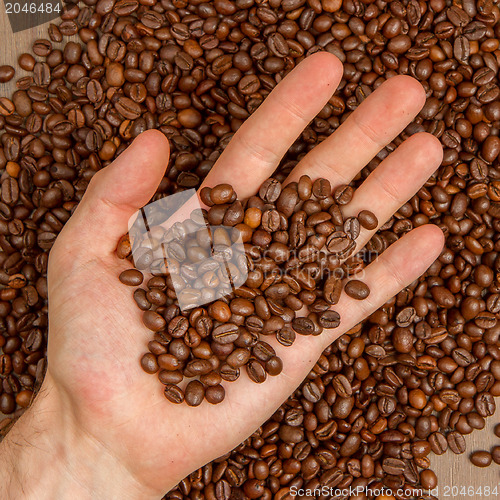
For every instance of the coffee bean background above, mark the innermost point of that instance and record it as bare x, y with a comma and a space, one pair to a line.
466, 174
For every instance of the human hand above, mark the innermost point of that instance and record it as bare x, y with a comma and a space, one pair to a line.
116, 433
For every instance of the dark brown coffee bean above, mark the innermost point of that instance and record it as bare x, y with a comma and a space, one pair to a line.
274, 366
194, 393
368, 219
256, 371
357, 289
270, 190
438, 443
174, 394
153, 321
343, 194
149, 363
456, 442
221, 194
303, 326
329, 319
131, 277
6, 73
495, 454
215, 394
480, 458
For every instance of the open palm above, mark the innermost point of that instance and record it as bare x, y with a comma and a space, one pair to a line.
96, 332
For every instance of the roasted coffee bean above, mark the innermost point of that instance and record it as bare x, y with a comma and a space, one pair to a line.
149, 363
256, 371
438, 443
131, 277
270, 190
480, 458
303, 326
153, 321
215, 394
6, 73
221, 194
329, 319
357, 289
367, 219
456, 442
343, 194
173, 393
194, 393
495, 454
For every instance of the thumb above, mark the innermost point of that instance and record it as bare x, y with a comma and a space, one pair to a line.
115, 193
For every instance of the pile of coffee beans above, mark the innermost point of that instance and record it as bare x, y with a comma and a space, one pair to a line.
294, 254
196, 71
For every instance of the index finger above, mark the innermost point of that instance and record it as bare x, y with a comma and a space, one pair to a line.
259, 144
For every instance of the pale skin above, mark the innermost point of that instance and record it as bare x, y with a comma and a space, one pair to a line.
101, 427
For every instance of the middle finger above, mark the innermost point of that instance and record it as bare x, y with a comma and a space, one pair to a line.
375, 123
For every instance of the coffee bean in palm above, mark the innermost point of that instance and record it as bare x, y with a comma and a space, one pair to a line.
149, 363
329, 319
270, 190
343, 194
173, 393
321, 188
303, 326
304, 187
367, 219
274, 366
131, 277
153, 321
215, 394
222, 194
256, 371
194, 393
356, 289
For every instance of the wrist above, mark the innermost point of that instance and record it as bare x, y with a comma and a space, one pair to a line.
46, 456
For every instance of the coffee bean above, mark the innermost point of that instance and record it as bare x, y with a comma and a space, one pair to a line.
456, 442
256, 371
357, 289
274, 366
221, 194
367, 219
438, 443
329, 319
6, 73
343, 194
480, 458
270, 190
495, 454
194, 393
174, 394
153, 321
131, 277
149, 363
496, 430
215, 394
303, 326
